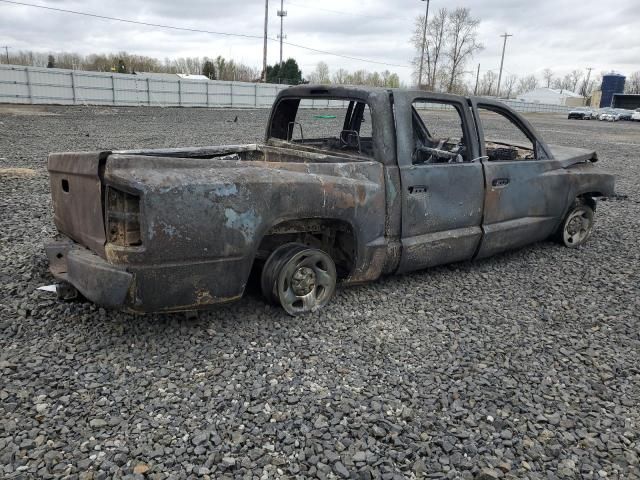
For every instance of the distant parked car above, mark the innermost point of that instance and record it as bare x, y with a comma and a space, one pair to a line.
602, 111
636, 115
624, 114
608, 115
581, 113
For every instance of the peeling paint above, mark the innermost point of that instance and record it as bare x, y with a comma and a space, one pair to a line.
225, 190
245, 222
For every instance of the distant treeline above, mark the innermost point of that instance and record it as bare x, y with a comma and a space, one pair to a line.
218, 68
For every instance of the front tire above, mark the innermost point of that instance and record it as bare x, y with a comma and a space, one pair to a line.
577, 226
299, 278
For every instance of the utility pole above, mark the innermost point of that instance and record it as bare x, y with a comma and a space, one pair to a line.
586, 82
475, 90
281, 13
6, 51
264, 52
424, 43
504, 46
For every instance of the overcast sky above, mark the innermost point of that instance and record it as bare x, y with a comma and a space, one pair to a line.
558, 34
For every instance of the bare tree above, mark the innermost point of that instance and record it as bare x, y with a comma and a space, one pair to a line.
321, 73
633, 83
563, 83
528, 83
423, 57
547, 74
576, 76
392, 80
510, 83
434, 46
359, 77
340, 76
487, 82
363, 77
462, 33
437, 29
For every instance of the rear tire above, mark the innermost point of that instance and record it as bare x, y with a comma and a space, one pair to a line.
577, 226
299, 278
272, 268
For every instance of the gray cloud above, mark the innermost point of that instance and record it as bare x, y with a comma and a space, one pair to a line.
560, 35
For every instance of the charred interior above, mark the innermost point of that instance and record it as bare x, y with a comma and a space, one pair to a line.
353, 133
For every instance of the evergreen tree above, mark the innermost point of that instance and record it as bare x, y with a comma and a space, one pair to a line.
122, 68
51, 62
290, 73
208, 70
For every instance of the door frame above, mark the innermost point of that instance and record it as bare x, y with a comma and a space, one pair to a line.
542, 150
439, 246
514, 232
403, 100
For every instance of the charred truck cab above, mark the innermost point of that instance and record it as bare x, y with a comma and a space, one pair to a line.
396, 181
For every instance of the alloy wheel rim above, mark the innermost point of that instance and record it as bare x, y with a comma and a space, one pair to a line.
306, 282
578, 227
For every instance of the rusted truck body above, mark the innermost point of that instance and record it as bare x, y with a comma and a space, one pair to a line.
167, 230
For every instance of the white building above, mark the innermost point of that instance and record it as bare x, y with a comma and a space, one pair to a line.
171, 76
552, 96
188, 76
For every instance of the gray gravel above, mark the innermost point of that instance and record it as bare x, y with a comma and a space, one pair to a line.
526, 365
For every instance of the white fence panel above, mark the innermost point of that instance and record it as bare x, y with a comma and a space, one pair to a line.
266, 94
14, 93
194, 93
220, 94
51, 78
45, 93
93, 89
13, 86
244, 94
20, 84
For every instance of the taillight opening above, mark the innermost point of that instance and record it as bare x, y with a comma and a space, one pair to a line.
123, 218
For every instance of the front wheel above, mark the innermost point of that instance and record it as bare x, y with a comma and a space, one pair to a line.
577, 226
299, 278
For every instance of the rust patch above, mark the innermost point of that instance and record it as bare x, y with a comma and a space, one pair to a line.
203, 297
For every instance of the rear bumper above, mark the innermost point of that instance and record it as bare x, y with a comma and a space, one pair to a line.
97, 280
148, 288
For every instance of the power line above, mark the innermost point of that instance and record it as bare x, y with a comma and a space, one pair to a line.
342, 56
196, 30
124, 20
338, 11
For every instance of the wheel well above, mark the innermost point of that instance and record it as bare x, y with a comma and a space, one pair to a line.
589, 199
335, 237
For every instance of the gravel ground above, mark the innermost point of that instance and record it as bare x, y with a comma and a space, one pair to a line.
526, 365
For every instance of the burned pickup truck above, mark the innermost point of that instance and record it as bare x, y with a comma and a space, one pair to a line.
386, 182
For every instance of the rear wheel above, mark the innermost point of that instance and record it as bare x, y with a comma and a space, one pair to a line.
299, 278
577, 226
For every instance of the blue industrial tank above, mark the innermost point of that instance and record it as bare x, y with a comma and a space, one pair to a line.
611, 83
